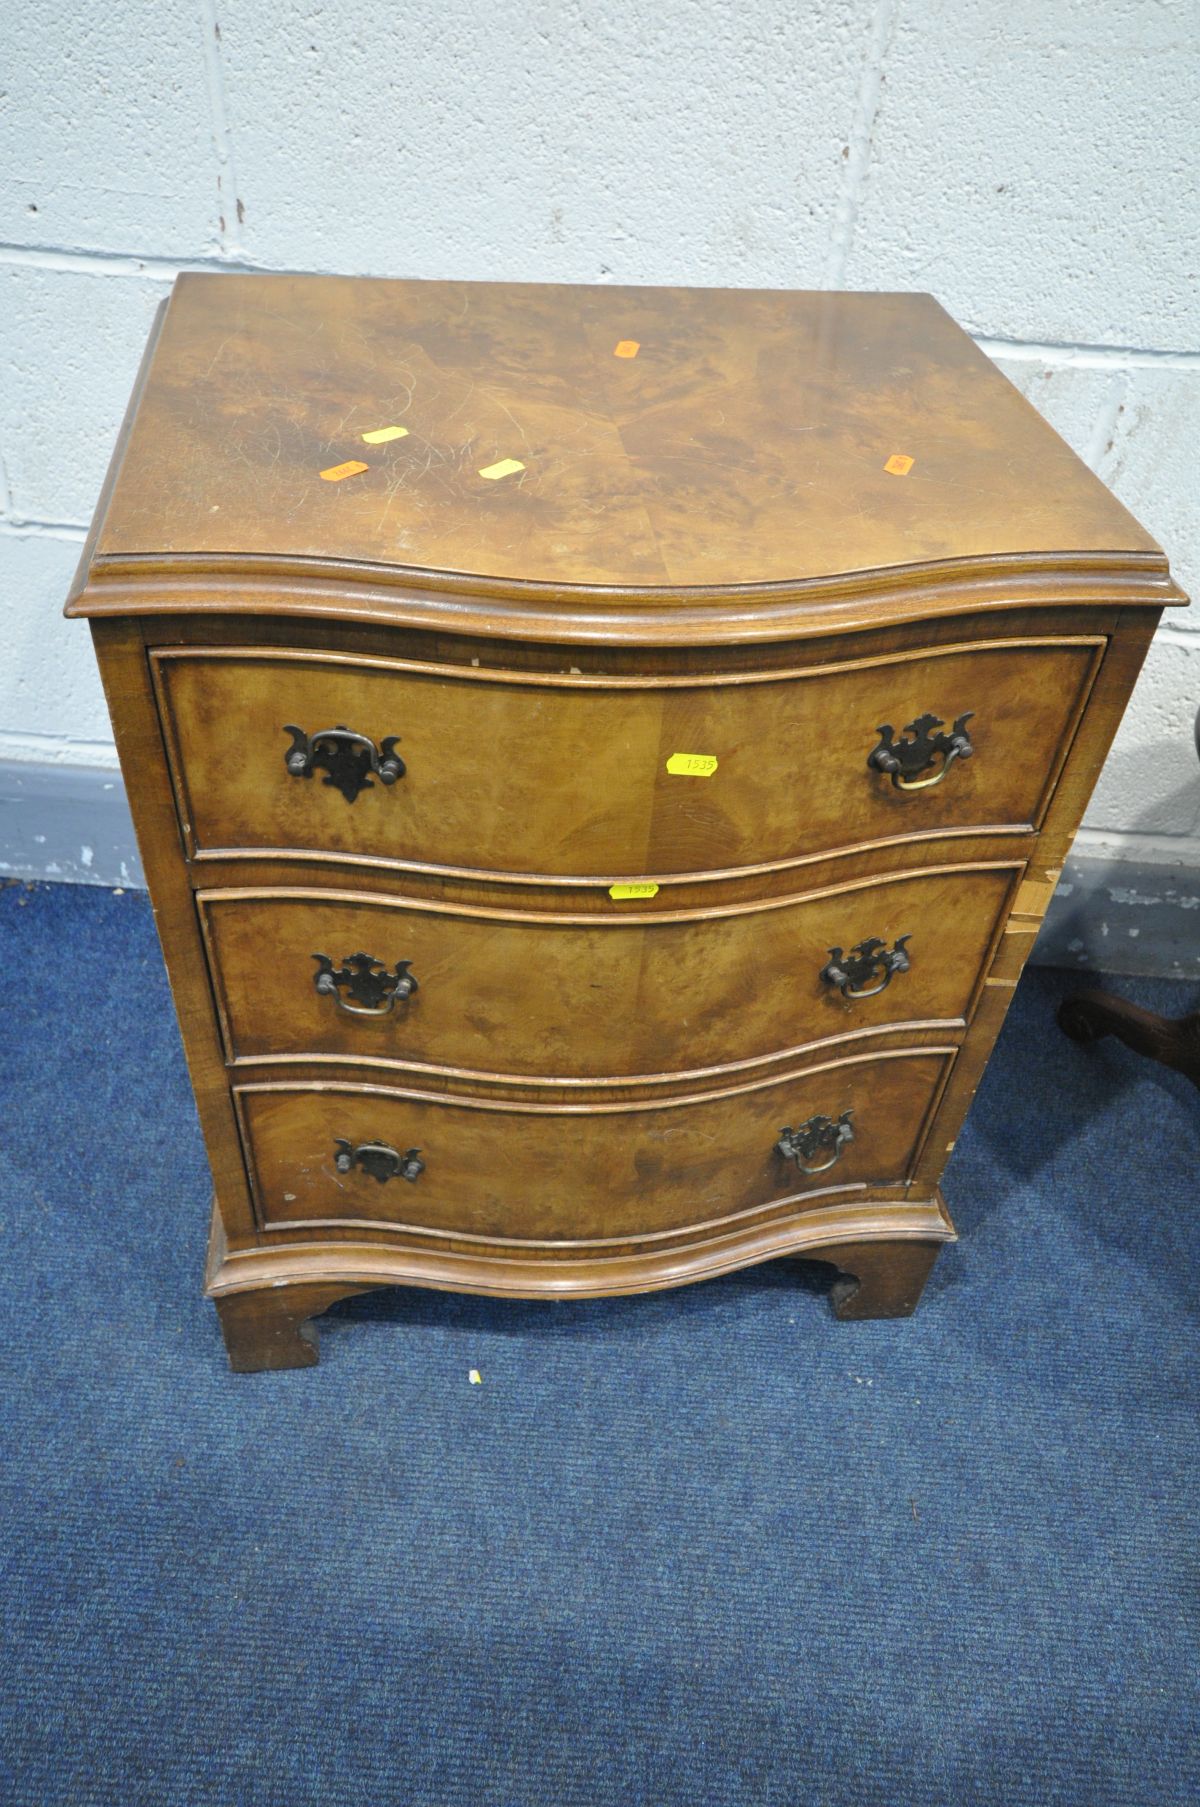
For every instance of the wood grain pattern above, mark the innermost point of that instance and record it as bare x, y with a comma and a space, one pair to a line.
576, 1174
517, 993
1118, 673
704, 552
584, 618
571, 779
265, 1296
745, 443
125, 672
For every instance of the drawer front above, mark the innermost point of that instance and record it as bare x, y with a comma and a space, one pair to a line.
557, 1173
312, 755
310, 973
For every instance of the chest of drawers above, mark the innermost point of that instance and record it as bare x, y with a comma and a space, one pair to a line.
600, 758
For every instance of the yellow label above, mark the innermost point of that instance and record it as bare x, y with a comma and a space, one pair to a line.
626, 348
619, 893
505, 468
475, 1377
692, 765
899, 464
381, 435
336, 472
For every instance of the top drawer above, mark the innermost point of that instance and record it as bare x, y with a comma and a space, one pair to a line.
566, 777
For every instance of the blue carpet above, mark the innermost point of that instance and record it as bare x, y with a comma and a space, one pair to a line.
708, 1546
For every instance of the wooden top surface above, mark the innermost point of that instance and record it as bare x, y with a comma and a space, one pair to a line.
745, 443
729, 481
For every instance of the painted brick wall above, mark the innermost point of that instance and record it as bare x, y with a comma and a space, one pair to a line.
1032, 162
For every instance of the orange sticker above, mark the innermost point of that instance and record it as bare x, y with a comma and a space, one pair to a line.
626, 348
336, 472
899, 464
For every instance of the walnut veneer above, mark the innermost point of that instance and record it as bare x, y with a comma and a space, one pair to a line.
595, 840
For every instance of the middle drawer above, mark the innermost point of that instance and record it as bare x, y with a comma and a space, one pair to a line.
352, 977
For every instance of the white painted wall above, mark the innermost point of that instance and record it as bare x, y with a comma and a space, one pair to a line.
1032, 162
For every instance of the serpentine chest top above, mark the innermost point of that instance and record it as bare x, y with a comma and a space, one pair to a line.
600, 758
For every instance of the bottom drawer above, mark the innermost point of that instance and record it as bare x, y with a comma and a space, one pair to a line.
336, 1153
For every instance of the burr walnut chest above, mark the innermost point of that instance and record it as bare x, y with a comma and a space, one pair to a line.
600, 758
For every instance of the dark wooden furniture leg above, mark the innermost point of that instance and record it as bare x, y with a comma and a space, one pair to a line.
879, 1279
1093, 1014
270, 1327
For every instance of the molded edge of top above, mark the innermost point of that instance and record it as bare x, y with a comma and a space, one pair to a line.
391, 595
386, 596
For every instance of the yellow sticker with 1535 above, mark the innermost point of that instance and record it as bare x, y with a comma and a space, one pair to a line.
692, 765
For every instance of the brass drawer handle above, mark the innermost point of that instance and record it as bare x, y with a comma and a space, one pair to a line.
905, 760
849, 973
346, 758
378, 1159
819, 1135
370, 989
